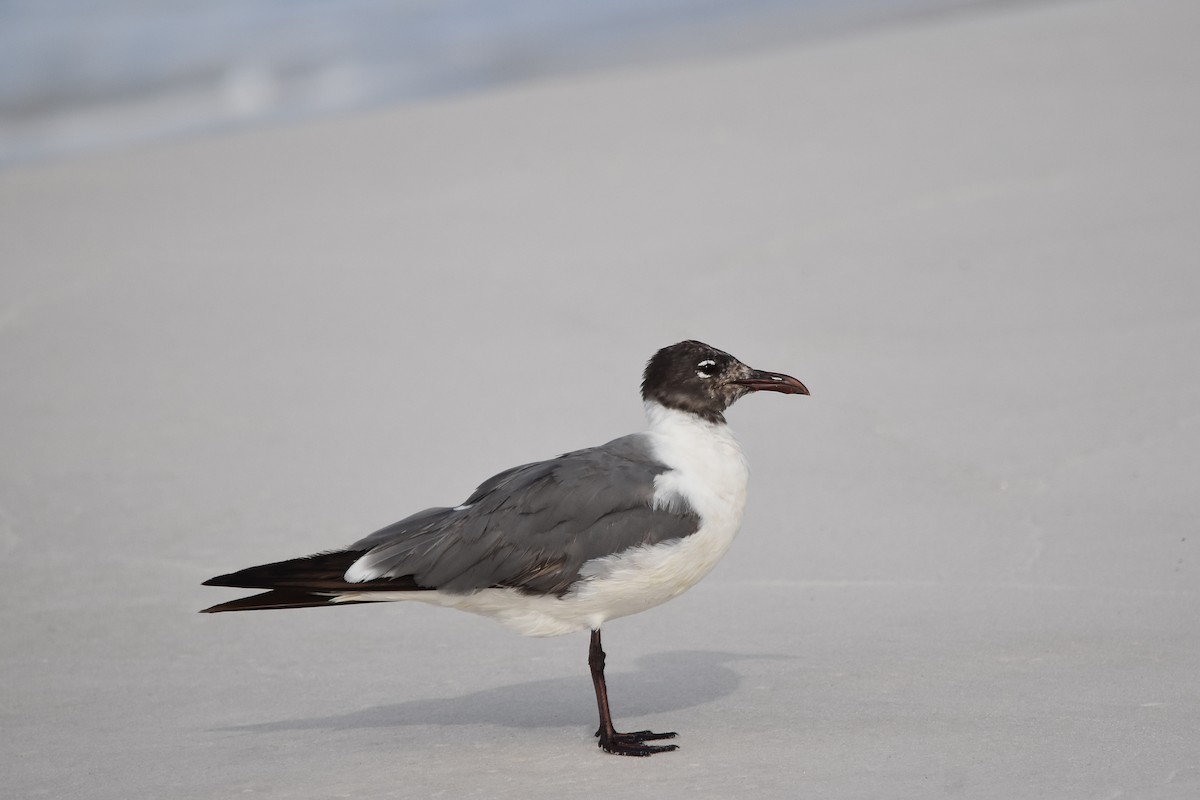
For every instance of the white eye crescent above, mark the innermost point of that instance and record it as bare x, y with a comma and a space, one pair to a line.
706, 368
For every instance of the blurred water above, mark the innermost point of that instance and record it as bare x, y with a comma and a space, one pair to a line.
81, 74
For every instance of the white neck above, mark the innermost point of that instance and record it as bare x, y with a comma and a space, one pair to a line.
707, 466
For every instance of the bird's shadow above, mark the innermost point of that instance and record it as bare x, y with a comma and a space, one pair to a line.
662, 682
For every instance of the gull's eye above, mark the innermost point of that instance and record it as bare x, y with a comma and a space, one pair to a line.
706, 368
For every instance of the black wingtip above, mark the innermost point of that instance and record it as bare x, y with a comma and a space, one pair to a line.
318, 571
276, 599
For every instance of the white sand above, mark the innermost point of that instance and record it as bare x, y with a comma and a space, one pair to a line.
970, 564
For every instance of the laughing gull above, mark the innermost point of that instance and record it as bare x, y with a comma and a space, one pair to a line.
566, 544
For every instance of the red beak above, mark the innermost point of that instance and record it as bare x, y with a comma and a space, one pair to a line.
759, 381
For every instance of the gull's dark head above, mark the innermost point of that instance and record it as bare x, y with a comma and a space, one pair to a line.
702, 380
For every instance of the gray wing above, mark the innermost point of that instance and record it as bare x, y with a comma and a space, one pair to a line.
532, 527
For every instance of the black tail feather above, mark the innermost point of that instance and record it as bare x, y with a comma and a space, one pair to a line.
318, 571
279, 598
303, 582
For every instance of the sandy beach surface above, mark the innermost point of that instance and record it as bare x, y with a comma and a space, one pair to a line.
969, 565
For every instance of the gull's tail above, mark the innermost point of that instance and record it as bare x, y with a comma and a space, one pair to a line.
315, 580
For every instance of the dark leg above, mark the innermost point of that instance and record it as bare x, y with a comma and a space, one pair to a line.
623, 744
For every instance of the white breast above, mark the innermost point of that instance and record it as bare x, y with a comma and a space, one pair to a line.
707, 466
